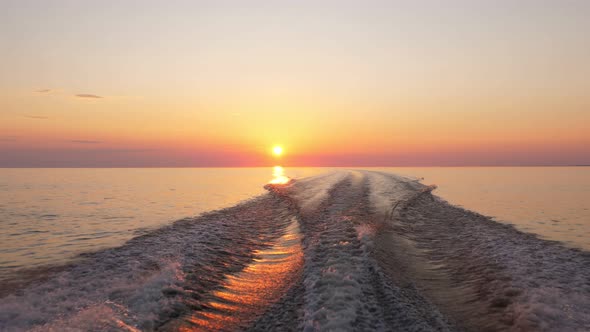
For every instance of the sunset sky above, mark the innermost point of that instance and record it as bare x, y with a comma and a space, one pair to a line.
336, 83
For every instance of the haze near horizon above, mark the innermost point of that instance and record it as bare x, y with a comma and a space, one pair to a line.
334, 83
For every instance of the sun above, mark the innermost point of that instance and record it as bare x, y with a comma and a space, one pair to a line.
277, 150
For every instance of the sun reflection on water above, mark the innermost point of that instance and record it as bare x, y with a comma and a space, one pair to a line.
279, 176
247, 294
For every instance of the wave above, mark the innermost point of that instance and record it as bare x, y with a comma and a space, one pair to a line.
153, 278
483, 274
348, 250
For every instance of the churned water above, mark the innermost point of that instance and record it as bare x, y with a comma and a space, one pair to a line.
139, 249
49, 216
553, 202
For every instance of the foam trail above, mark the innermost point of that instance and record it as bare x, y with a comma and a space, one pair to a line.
309, 193
153, 278
344, 288
388, 190
345, 251
482, 274
246, 294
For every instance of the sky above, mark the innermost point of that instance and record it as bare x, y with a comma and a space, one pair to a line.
335, 83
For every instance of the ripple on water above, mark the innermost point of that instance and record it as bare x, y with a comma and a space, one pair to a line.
246, 294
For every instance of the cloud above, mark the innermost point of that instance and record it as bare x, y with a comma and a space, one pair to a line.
129, 150
36, 117
81, 141
43, 90
86, 95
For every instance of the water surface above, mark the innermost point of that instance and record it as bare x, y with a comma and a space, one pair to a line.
49, 216
322, 252
553, 202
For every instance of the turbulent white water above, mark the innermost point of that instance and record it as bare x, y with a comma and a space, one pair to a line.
346, 251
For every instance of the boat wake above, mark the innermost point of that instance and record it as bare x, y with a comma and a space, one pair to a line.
347, 251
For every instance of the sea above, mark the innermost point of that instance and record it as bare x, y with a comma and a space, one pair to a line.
49, 216
202, 249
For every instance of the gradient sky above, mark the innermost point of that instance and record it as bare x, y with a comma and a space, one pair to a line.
338, 83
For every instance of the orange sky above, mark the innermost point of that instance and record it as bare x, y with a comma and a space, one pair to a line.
336, 83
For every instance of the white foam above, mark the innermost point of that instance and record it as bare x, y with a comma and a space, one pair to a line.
148, 276
387, 190
310, 192
344, 288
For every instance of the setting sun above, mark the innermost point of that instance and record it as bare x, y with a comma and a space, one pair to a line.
268, 165
277, 150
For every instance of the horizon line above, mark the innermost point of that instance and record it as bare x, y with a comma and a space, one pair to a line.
298, 166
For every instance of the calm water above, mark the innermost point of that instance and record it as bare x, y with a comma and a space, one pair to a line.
553, 202
48, 216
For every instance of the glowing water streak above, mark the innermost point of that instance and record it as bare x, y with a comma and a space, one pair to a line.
279, 176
